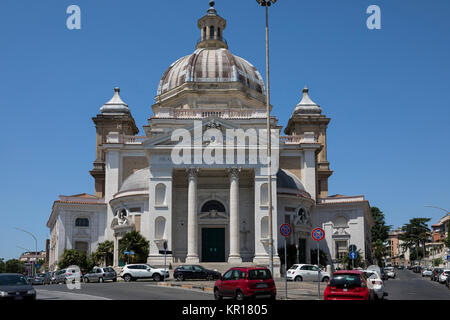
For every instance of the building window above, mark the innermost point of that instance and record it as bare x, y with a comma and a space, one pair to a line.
213, 205
218, 34
341, 249
81, 246
82, 222
160, 194
211, 32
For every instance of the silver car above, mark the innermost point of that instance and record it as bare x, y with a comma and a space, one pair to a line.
100, 275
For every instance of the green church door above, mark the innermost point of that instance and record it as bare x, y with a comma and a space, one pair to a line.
301, 250
213, 244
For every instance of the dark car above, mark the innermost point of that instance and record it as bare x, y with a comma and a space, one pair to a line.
38, 279
435, 274
195, 272
383, 274
14, 286
243, 283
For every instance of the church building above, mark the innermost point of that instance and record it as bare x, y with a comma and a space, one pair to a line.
210, 212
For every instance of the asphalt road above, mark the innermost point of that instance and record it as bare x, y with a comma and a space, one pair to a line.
412, 286
118, 291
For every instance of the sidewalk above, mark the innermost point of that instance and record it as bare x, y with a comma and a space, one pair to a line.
296, 290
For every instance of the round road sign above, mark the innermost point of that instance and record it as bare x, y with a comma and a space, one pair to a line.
352, 255
318, 234
285, 230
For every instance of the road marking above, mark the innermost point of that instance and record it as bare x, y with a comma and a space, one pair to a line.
61, 295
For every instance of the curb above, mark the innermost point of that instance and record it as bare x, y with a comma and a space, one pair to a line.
186, 286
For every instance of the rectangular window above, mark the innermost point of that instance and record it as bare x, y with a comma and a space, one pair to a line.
341, 249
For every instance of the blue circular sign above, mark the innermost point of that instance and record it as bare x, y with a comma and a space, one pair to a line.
285, 230
352, 255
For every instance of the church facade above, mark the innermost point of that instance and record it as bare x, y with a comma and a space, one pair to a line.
210, 204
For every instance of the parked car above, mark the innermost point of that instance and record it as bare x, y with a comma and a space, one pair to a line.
427, 272
347, 285
383, 274
67, 275
375, 284
444, 275
133, 272
100, 275
435, 274
38, 279
14, 286
447, 282
49, 277
195, 272
243, 283
306, 272
390, 272
417, 269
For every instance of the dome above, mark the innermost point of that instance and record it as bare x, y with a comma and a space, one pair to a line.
307, 106
139, 180
115, 105
211, 65
287, 180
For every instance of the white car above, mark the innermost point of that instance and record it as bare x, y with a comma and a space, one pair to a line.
306, 272
443, 276
427, 273
390, 272
132, 272
374, 283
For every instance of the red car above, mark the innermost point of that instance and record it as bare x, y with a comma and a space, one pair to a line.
242, 283
347, 285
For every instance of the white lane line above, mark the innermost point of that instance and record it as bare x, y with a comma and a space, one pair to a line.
58, 295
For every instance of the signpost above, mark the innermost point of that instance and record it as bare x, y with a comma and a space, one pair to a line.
353, 255
318, 234
285, 231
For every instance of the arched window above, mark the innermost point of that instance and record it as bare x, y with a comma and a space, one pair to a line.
264, 194
204, 33
219, 36
213, 205
264, 227
82, 222
160, 194
211, 32
160, 227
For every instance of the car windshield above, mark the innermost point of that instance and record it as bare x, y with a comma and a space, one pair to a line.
260, 274
346, 280
12, 280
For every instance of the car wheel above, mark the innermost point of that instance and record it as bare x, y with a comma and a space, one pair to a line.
157, 277
100, 280
298, 279
86, 280
127, 278
325, 279
239, 296
217, 296
180, 277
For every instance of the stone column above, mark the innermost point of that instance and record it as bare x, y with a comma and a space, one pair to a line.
192, 247
235, 255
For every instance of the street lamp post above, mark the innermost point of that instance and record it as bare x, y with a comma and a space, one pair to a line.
267, 4
35, 239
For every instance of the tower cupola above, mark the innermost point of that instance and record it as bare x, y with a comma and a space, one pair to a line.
211, 27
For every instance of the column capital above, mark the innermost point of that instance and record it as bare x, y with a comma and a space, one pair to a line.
233, 173
192, 173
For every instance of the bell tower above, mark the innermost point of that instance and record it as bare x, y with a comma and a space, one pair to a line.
114, 116
308, 117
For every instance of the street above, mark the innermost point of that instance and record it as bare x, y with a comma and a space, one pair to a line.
119, 291
412, 286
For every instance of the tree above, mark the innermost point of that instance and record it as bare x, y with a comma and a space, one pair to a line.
380, 231
2, 265
15, 266
437, 262
105, 253
380, 234
414, 234
134, 241
75, 258
348, 263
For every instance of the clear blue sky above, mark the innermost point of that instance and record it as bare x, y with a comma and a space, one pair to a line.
386, 92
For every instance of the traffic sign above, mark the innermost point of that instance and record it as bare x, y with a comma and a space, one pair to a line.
448, 258
165, 245
353, 255
318, 234
129, 253
165, 252
352, 247
285, 230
